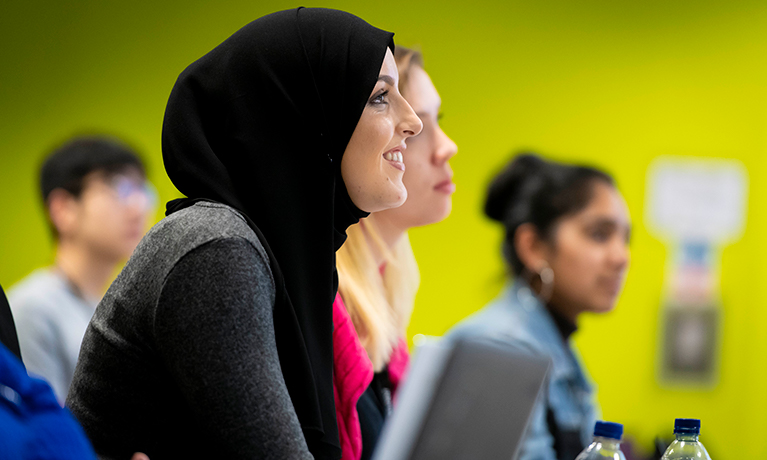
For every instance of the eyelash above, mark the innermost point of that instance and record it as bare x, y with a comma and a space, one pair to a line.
382, 96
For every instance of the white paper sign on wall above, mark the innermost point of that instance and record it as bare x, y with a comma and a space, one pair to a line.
696, 199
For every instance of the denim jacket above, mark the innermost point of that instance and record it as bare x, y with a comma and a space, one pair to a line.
519, 318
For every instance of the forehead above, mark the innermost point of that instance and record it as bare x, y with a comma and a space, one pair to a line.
606, 203
104, 176
420, 91
389, 66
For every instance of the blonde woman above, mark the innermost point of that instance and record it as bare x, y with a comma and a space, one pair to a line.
378, 275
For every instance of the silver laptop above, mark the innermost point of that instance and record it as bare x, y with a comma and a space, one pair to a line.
470, 400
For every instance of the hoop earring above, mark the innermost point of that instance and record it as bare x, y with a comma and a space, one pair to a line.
546, 275
547, 282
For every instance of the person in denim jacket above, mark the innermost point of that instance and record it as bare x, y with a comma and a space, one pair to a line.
567, 234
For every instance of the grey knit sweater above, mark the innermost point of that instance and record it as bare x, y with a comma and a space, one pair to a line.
180, 360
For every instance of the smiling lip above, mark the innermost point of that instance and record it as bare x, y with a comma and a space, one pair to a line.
446, 186
395, 163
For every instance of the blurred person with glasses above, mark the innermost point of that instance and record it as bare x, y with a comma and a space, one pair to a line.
97, 201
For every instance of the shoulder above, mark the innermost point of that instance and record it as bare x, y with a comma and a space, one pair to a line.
207, 215
224, 266
503, 320
187, 243
183, 232
213, 287
203, 221
39, 292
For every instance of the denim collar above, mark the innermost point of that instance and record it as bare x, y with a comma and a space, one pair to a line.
528, 309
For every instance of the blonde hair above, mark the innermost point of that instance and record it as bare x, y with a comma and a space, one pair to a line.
406, 58
380, 304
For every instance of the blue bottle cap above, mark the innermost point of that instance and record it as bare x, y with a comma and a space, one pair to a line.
687, 425
608, 430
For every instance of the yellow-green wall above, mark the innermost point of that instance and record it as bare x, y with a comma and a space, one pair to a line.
611, 83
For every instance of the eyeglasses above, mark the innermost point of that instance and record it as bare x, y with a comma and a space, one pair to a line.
131, 192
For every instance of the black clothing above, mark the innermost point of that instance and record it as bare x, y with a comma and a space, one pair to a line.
8, 335
567, 443
565, 327
373, 407
260, 123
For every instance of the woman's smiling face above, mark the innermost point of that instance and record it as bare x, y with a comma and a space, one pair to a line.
428, 178
372, 166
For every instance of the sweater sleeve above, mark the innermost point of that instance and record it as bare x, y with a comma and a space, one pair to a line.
214, 331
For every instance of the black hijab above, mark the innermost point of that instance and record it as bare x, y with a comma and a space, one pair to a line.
261, 123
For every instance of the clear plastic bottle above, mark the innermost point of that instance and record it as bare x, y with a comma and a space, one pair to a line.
606, 444
686, 445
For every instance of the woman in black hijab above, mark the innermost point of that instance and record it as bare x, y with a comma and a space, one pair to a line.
216, 339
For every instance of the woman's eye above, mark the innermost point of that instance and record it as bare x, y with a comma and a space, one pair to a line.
379, 98
600, 235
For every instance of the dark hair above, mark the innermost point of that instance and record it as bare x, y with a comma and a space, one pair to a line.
533, 190
67, 166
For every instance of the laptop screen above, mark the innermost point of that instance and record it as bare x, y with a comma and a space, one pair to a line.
471, 399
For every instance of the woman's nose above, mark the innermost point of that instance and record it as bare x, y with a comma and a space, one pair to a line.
620, 253
446, 148
411, 124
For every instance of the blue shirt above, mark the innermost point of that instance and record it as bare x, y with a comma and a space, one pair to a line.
519, 318
32, 424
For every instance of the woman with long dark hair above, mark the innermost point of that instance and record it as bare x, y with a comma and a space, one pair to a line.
567, 233
216, 338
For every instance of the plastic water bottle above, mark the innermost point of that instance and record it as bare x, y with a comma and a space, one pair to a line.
606, 444
686, 445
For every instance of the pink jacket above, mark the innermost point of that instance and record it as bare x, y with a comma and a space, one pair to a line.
352, 374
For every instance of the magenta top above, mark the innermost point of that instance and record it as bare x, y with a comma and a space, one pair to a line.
352, 374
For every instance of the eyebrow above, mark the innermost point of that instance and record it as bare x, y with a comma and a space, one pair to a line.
386, 79
427, 113
600, 221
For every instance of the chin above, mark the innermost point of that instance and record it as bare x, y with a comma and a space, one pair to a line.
605, 306
395, 201
445, 210
401, 196
430, 216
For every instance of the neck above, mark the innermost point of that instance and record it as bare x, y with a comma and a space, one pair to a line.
561, 306
88, 271
554, 304
565, 311
389, 232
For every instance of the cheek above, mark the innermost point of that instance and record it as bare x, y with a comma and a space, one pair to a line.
416, 176
576, 268
366, 146
378, 133
105, 213
419, 171
424, 205
370, 155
